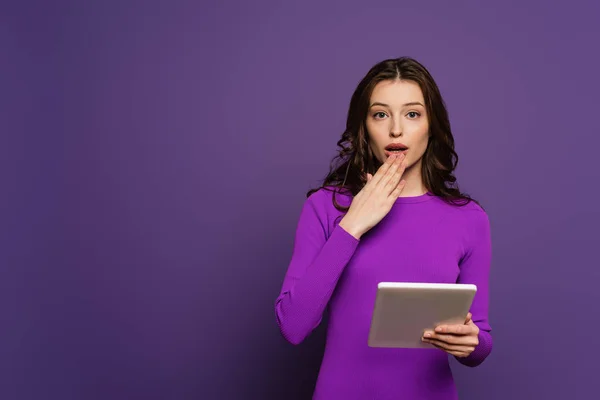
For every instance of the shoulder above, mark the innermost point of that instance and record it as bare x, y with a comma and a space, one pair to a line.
470, 224
471, 217
475, 221
468, 210
475, 213
322, 202
323, 198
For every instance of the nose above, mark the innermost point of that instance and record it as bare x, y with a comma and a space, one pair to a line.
396, 129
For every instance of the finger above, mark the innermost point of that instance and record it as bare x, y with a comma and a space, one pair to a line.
394, 175
459, 354
466, 350
384, 168
451, 348
369, 177
462, 340
396, 192
452, 339
398, 175
455, 329
452, 352
468, 319
392, 170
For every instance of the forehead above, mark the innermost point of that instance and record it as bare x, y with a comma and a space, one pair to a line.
397, 92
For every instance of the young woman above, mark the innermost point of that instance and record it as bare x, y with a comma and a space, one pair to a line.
390, 211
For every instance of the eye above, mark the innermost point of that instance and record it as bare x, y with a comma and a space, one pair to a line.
379, 114
413, 112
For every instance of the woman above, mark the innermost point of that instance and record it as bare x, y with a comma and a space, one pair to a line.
390, 211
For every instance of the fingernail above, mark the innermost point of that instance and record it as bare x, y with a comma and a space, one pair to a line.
427, 334
439, 329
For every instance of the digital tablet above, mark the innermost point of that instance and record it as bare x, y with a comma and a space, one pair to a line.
403, 311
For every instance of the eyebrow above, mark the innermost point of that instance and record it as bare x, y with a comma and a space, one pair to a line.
414, 103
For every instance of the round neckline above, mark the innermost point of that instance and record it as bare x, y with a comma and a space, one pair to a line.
416, 199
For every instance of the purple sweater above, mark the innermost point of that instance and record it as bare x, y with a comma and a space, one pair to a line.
422, 239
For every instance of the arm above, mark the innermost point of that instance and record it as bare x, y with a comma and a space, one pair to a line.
475, 268
315, 268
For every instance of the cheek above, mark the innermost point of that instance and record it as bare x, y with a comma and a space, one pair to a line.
376, 145
376, 139
419, 146
423, 140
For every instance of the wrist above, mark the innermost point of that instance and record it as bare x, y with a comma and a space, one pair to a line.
351, 228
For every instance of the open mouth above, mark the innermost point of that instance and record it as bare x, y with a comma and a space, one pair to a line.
395, 148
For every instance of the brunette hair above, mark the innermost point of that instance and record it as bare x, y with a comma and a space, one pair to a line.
355, 158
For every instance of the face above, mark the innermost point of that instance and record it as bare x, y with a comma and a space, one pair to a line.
397, 115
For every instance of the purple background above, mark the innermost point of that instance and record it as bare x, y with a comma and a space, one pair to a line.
155, 158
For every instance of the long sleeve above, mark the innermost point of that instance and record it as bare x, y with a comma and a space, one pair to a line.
317, 262
475, 269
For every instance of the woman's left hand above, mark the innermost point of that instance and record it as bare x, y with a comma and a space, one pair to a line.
457, 340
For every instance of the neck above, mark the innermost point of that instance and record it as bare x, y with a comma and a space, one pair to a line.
414, 182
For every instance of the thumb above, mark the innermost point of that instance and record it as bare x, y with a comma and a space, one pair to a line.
468, 320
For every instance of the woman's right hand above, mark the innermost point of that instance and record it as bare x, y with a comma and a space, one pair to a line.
376, 198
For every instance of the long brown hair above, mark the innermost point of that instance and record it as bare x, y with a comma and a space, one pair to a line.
355, 158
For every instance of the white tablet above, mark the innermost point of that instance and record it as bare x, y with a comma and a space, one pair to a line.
403, 311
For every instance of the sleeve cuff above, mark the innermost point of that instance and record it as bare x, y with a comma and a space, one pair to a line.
483, 349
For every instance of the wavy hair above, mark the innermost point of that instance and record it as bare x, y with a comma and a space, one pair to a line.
355, 158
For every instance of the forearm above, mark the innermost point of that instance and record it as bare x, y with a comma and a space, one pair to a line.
303, 299
475, 268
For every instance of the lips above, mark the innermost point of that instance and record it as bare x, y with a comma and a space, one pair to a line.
396, 147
